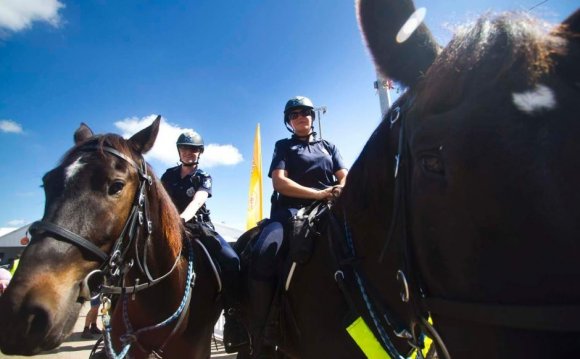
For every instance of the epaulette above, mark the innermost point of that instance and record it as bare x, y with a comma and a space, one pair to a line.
202, 173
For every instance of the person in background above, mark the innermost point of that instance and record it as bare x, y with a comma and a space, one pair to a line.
5, 278
91, 320
14, 265
303, 170
189, 187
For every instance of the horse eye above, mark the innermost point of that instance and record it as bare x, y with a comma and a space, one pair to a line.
432, 164
116, 188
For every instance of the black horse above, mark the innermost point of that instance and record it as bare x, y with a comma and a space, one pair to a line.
464, 199
107, 214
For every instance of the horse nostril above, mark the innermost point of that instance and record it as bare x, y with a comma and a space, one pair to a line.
36, 319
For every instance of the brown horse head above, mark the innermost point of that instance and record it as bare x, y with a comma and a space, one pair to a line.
488, 173
90, 196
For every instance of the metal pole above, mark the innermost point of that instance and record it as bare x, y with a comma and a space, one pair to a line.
384, 94
319, 116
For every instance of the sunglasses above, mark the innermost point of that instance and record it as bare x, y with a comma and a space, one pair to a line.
304, 112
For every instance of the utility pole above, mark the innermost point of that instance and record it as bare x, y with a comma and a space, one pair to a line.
319, 112
383, 87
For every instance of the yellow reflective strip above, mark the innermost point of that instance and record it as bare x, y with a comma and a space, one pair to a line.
366, 340
427, 342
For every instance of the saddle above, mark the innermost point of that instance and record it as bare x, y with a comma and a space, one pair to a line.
305, 227
300, 234
205, 237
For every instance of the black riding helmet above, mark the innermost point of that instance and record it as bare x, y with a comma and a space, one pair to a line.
294, 103
190, 138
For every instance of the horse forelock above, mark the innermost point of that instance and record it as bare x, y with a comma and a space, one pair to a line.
108, 140
509, 51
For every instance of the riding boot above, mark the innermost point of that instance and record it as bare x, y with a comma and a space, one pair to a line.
260, 294
236, 336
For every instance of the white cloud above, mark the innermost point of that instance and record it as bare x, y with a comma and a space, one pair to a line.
216, 155
10, 126
16, 223
165, 151
16, 15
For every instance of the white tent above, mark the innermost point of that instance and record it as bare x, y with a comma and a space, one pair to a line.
230, 234
11, 243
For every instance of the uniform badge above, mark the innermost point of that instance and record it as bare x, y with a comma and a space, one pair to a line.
190, 192
207, 183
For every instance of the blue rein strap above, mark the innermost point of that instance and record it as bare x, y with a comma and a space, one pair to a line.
131, 336
387, 343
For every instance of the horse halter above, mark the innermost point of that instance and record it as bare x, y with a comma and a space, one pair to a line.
412, 291
114, 262
530, 317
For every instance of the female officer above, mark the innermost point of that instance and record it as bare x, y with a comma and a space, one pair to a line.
189, 187
303, 170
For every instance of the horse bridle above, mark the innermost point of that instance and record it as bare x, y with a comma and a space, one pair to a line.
530, 317
412, 292
114, 264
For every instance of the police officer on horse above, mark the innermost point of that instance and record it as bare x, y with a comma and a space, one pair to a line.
303, 169
189, 187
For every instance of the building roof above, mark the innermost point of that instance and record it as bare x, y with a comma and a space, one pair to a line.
12, 239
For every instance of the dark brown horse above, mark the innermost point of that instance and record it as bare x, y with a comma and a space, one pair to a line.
464, 200
106, 210
486, 197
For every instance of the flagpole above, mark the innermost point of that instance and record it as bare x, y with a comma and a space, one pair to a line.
255, 195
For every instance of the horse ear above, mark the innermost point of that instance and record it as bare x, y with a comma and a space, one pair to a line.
380, 22
143, 140
82, 133
572, 23
567, 62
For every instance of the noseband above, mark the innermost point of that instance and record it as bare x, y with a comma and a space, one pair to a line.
113, 264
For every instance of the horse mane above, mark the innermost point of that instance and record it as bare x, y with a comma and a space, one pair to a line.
509, 50
372, 172
170, 222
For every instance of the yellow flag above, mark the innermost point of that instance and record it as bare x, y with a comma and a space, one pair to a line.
255, 195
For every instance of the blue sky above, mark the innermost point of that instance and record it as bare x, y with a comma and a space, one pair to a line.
219, 67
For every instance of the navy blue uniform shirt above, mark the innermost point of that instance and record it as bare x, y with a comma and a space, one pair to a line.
182, 190
310, 164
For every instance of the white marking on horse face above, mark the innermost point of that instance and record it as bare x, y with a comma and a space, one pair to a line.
73, 169
536, 100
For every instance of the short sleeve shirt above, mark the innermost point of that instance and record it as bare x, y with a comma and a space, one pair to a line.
182, 190
310, 164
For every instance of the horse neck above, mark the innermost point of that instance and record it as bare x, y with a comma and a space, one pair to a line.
163, 248
368, 212
369, 215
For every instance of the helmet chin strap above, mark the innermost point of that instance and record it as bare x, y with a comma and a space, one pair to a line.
306, 137
192, 164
